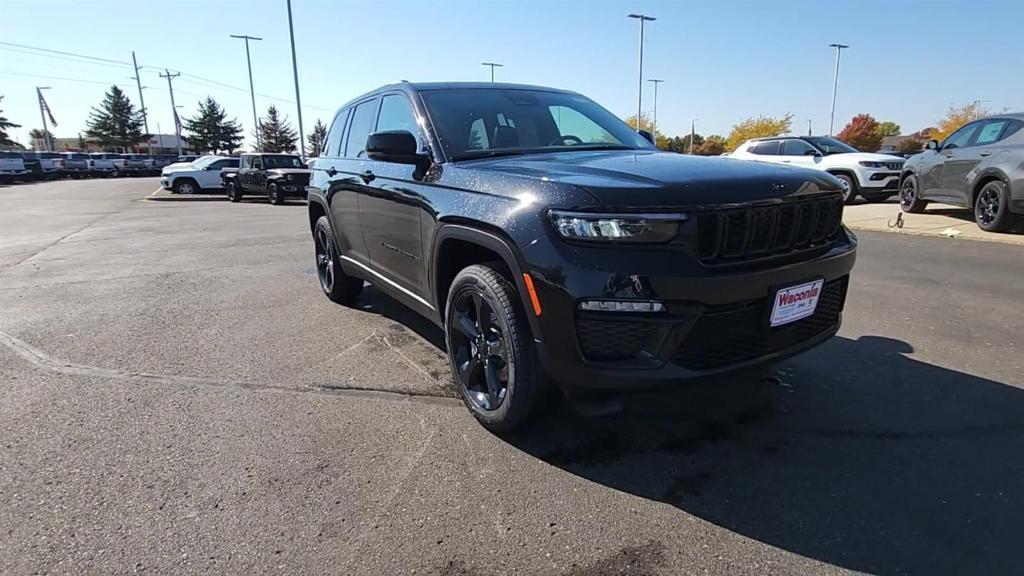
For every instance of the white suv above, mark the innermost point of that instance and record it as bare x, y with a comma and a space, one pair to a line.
194, 177
876, 177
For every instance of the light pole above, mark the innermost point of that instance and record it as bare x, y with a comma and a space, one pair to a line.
654, 120
252, 92
42, 114
977, 108
640, 83
493, 65
295, 72
693, 133
809, 127
835, 86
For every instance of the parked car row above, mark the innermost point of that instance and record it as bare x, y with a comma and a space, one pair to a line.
275, 176
35, 166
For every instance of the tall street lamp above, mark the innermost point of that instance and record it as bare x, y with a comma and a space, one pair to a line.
640, 83
252, 92
295, 73
654, 120
693, 133
493, 65
835, 86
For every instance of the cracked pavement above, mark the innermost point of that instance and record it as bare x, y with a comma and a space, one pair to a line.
176, 396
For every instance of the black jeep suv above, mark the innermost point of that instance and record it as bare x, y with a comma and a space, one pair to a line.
556, 246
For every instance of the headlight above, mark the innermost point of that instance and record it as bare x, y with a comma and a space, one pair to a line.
870, 164
650, 228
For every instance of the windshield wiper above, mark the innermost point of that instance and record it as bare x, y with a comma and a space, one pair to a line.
472, 154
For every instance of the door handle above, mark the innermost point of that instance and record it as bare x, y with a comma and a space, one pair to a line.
332, 171
984, 153
367, 176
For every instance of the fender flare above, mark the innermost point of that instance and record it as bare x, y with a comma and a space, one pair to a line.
987, 174
495, 243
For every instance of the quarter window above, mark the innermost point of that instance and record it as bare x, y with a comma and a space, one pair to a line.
332, 145
360, 125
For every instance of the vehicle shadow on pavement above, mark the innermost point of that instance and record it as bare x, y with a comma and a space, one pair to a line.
856, 455
375, 301
967, 215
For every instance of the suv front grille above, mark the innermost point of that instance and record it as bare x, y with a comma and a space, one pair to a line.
894, 165
747, 233
739, 333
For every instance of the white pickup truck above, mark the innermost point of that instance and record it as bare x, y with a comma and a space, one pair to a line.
873, 176
106, 164
12, 167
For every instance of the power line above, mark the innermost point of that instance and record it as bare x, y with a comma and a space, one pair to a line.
65, 58
65, 53
63, 78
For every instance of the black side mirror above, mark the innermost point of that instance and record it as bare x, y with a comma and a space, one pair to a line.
647, 136
932, 145
397, 146
812, 153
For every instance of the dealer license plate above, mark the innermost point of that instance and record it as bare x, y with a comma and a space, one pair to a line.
796, 302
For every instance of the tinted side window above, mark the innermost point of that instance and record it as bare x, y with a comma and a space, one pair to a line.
256, 163
360, 126
961, 137
244, 162
1012, 129
396, 114
767, 148
332, 146
796, 148
990, 132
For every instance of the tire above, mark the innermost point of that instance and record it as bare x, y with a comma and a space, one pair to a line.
876, 198
910, 199
234, 192
274, 196
992, 207
336, 285
185, 186
851, 191
490, 349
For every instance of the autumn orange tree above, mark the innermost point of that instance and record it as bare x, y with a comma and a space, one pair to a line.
957, 117
760, 127
862, 133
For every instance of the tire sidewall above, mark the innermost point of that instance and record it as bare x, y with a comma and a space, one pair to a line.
323, 224
186, 181
916, 204
470, 281
850, 194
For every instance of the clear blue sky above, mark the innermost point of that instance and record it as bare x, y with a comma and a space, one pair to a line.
721, 61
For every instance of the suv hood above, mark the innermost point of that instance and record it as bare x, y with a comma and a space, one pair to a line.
290, 170
853, 157
647, 179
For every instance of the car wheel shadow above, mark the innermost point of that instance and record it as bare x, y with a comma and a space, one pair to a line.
856, 455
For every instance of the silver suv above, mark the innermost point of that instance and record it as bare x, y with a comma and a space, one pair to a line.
979, 166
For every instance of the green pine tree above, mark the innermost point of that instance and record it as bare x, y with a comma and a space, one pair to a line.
116, 123
276, 134
5, 139
317, 139
211, 131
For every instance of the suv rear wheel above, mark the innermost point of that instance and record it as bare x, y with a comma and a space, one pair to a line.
991, 208
337, 285
490, 351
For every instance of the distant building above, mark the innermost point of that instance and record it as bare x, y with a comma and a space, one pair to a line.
894, 143
157, 144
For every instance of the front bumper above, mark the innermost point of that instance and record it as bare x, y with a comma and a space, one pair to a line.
165, 182
292, 189
715, 322
878, 180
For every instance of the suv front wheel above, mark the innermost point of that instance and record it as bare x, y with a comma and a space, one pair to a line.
490, 350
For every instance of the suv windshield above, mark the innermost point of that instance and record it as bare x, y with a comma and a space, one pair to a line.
830, 145
282, 162
205, 161
481, 122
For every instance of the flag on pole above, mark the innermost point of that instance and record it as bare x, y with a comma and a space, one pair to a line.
46, 107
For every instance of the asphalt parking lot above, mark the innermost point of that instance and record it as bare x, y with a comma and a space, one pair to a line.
176, 396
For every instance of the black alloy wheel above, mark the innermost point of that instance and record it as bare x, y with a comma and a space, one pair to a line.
479, 351
337, 285
490, 349
909, 200
991, 210
234, 192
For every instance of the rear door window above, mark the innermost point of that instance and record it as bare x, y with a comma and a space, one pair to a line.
766, 148
363, 118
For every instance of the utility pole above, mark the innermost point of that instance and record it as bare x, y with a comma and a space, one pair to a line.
295, 72
42, 114
654, 121
977, 108
835, 86
493, 65
640, 84
142, 102
809, 127
174, 108
693, 134
252, 92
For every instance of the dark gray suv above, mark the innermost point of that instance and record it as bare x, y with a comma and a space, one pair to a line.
979, 166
